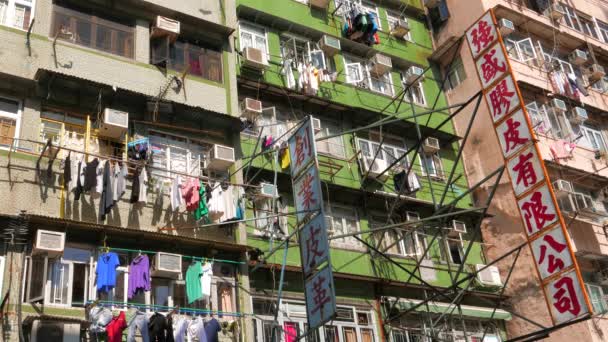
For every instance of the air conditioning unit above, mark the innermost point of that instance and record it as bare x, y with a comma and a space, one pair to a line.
559, 105
254, 58
167, 265
221, 158
251, 108
268, 190
413, 73
330, 45
596, 73
459, 226
400, 28
44, 331
164, 26
381, 64
49, 242
578, 57
506, 26
562, 188
579, 115
115, 123
316, 125
431, 3
489, 276
555, 11
373, 168
319, 3
431, 145
411, 216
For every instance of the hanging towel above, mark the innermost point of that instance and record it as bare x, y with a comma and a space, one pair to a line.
202, 210
176, 193
285, 161
562, 149
287, 71
206, 275
190, 193
143, 186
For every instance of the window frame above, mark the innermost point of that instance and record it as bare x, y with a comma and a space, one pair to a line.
597, 135
418, 97
347, 242
571, 18
11, 12
602, 301
168, 159
366, 80
335, 142
458, 72
89, 277
251, 28
437, 165
392, 17
13, 116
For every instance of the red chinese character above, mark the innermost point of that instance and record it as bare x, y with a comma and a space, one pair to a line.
312, 247
501, 97
555, 264
306, 192
320, 297
482, 35
525, 170
511, 136
490, 67
302, 148
534, 209
565, 297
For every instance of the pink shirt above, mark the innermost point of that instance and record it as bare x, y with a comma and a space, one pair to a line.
190, 193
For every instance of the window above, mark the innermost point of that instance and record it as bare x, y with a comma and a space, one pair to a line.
389, 153
180, 56
451, 249
540, 120
590, 138
70, 278
596, 295
358, 73
431, 163
393, 19
363, 5
603, 30
570, 18
263, 224
332, 146
93, 32
63, 130
343, 220
560, 125
17, 13
253, 36
521, 50
456, 75
587, 26
416, 94
300, 50
36, 278
10, 121
174, 153
403, 242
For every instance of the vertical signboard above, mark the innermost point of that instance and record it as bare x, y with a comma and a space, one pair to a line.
318, 277
543, 223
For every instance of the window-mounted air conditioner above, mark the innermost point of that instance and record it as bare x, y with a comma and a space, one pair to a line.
555, 11
579, 115
431, 145
413, 74
115, 123
330, 45
167, 265
316, 125
431, 3
322, 4
254, 58
221, 157
459, 226
489, 276
49, 242
559, 105
267, 190
578, 57
164, 26
381, 64
251, 108
562, 187
596, 73
411, 216
506, 26
373, 168
43, 331
400, 28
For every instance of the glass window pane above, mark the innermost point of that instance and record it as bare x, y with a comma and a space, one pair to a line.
79, 284
60, 277
160, 292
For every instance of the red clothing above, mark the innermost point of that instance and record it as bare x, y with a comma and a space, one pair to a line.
191, 195
115, 327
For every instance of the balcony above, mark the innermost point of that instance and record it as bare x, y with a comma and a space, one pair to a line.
581, 158
589, 239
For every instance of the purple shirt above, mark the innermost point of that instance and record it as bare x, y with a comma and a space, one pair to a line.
139, 275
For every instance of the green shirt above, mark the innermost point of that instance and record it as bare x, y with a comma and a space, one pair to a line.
193, 282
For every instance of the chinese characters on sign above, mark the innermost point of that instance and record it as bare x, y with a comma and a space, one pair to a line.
547, 237
314, 246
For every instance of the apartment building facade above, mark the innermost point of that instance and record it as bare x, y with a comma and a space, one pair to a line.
301, 58
147, 90
557, 51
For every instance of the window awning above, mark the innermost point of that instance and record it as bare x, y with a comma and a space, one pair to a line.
439, 308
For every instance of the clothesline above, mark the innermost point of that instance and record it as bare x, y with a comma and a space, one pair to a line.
183, 256
167, 308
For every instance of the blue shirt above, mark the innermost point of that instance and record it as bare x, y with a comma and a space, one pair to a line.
106, 271
211, 330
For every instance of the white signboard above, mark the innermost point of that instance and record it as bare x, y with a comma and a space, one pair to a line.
513, 133
565, 296
537, 210
314, 247
525, 170
502, 98
492, 65
307, 193
551, 252
320, 298
302, 148
481, 35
